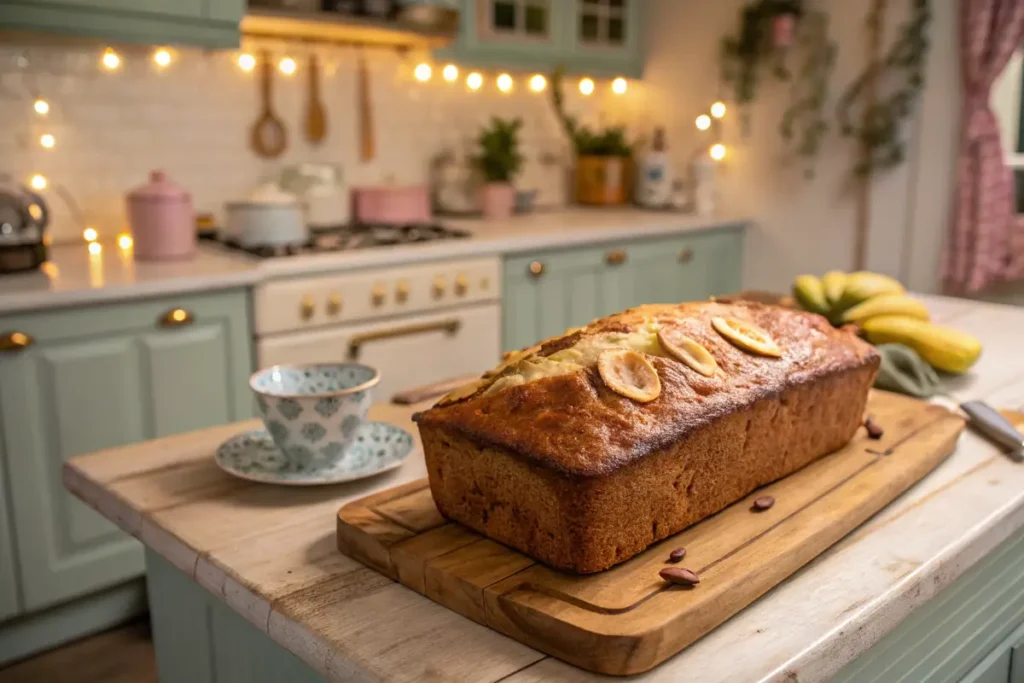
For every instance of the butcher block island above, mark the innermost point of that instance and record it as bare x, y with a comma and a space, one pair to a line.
246, 581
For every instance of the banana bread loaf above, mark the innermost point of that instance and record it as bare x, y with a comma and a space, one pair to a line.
583, 450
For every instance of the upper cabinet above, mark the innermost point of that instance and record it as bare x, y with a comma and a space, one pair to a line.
203, 23
597, 37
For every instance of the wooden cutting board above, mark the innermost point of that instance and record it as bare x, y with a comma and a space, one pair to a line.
627, 619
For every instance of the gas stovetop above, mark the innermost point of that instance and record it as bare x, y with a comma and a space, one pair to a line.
349, 237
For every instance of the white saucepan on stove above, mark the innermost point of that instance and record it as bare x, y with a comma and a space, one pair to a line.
269, 217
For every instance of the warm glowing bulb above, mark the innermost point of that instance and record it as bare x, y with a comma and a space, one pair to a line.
95, 247
718, 109
703, 122
287, 66
619, 86
162, 57
587, 86
474, 81
246, 61
38, 182
422, 72
451, 73
42, 107
538, 83
110, 60
89, 234
47, 140
717, 151
124, 241
504, 83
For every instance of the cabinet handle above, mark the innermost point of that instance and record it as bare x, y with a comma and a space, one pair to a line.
615, 257
176, 317
685, 255
15, 341
536, 268
355, 344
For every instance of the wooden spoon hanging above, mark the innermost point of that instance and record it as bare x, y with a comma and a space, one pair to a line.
366, 139
316, 118
269, 137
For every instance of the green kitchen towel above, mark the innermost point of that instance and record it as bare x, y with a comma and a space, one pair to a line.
905, 372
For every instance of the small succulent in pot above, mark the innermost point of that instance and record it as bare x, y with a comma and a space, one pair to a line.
499, 161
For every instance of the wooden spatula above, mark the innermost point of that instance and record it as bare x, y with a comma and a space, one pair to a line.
367, 146
316, 117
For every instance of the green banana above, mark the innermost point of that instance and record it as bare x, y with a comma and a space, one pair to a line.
810, 294
886, 304
863, 285
834, 282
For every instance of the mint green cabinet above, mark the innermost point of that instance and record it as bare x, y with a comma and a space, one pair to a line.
547, 292
8, 579
596, 37
99, 377
202, 23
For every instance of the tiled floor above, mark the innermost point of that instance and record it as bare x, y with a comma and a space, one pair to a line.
124, 655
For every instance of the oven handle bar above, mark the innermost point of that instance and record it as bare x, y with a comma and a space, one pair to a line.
449, 326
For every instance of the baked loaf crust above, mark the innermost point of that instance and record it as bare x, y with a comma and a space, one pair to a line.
542, 455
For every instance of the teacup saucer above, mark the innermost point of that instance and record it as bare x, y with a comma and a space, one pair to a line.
252, 455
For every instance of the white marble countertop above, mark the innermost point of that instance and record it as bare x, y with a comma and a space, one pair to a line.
282, 573
73, 276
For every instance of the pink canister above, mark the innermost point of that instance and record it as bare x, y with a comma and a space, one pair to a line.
161, 220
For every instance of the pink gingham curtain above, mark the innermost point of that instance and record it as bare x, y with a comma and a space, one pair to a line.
987, 242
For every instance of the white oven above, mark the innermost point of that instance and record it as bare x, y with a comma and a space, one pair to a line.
417, 325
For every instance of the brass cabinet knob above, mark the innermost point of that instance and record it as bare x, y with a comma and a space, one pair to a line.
402, 291
461, 285
307, 307
378, 295
685, 255
536, 268
176, 317
485, 283
334, 301
15, 341
615, 257
439, 287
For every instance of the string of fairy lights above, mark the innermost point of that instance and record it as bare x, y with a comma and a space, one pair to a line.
474, 81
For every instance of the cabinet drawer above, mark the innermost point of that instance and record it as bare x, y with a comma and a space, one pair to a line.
123, 317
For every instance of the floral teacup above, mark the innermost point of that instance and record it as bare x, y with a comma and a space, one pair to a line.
314, 411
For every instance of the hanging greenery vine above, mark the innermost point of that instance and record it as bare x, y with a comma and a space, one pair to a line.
803, 124
763, 44
877, 120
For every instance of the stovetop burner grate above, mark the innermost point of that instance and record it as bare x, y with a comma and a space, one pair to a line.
348, 237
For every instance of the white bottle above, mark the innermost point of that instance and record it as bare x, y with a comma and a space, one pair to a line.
705, 195
654, 175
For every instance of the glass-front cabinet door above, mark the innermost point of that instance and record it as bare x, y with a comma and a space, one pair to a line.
515, 20
602, 22
606, 33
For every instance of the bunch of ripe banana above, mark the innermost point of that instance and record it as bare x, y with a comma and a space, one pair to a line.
880, 308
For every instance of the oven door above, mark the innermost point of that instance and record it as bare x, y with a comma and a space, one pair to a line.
408, 351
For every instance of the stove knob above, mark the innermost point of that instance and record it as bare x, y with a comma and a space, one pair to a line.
308, 307
378, 295
461, 285
439, 287
402, 292
485, 283
334, 303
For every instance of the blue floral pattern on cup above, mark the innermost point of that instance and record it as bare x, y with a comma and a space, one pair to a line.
312, 412
377, 447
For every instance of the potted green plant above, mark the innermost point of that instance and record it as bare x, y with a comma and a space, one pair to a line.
499, 160
603, 157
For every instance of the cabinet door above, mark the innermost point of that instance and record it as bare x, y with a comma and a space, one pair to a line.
606, 34
684, 269
544, 296
8, 580
60, 400
510, 33
181, 8
68, 395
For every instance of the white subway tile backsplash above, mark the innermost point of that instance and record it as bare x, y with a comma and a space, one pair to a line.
193, 120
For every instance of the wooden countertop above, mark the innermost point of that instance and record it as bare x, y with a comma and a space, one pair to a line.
269, 553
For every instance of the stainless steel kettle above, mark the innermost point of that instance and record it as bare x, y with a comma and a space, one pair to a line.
23, 215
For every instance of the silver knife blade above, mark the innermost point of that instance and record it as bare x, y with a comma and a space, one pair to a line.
988, 422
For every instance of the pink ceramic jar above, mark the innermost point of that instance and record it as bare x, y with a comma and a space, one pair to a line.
161, 220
